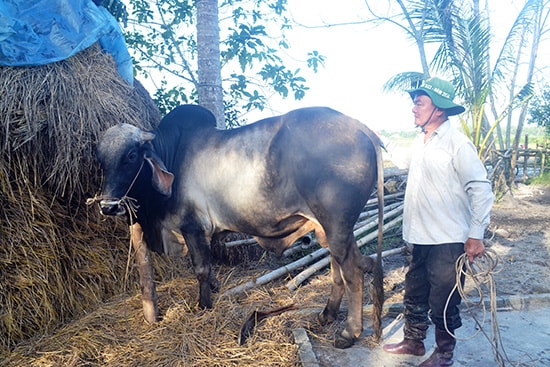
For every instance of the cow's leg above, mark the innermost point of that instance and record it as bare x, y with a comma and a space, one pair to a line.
330, 312
352, 272
146, 274
348, 261
199, 249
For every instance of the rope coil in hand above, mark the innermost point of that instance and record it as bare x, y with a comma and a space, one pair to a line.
481, 272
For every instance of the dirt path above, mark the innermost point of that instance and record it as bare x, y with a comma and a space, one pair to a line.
521, 226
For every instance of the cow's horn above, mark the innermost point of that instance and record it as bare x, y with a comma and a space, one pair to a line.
147, 136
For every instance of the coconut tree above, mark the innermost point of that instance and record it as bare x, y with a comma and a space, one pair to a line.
209, 86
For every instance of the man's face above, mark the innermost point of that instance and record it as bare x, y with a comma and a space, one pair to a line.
423, 109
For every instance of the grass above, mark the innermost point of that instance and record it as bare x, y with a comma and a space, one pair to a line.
541, 180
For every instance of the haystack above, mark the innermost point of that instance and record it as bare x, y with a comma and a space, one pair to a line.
58, 258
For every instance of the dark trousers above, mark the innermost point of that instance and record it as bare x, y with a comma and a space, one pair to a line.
428, 284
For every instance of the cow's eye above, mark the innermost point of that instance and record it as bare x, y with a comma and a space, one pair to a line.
132, 156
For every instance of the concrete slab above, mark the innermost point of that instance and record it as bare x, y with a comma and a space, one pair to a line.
524, 329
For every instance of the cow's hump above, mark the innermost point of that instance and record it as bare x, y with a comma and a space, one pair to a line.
188, 117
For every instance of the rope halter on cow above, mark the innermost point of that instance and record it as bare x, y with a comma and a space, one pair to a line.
130, 204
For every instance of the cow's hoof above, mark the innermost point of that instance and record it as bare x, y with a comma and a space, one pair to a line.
325, 318
205, 305
342, 342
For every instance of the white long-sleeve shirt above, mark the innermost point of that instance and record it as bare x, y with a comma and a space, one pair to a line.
448, 196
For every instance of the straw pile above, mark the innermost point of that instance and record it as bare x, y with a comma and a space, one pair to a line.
58, 259
115, 335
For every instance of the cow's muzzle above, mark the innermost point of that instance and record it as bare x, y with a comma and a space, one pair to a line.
112, 207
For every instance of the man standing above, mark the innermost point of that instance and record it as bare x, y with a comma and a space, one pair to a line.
447, 207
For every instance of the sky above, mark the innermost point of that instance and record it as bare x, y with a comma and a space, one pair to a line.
359, 60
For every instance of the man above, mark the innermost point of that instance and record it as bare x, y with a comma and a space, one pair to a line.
447, 206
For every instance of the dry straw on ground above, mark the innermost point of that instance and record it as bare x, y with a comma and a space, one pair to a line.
115, 335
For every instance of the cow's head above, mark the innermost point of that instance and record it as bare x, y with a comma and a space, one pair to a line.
123, 152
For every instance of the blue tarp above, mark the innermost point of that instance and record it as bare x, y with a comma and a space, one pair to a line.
38, 32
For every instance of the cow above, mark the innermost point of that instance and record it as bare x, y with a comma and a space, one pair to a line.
312, 169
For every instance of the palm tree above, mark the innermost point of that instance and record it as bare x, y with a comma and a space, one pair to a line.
462, 33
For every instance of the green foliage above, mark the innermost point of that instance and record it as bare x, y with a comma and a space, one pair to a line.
160, 35
245, 44
315, 60
539, 110
282, 78
167, 98
543, 180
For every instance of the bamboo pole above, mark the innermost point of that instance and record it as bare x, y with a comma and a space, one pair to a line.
370, 223
247, 241
305, 243
374, 201
277, 272
293, 284
300, 278
370, 214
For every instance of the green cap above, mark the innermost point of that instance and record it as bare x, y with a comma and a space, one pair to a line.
442, 94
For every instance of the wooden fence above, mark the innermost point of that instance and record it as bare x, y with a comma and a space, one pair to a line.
530, 162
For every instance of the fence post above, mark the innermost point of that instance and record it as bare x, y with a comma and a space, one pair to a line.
525, 156
542, 159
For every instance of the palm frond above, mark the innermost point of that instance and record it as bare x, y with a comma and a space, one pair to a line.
506, 60
519, 99
404, 81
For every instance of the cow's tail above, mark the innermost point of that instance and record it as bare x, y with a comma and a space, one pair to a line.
378, 281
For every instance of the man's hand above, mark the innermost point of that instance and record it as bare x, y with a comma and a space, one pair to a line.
474, 248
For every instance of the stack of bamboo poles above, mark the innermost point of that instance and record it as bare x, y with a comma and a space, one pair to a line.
364, 231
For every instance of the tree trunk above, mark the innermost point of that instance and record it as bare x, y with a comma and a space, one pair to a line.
208, 54
539, 23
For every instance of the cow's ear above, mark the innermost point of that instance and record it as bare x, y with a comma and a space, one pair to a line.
162, 179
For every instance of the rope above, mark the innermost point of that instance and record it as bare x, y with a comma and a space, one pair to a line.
481, 272
127, 201
131, 206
